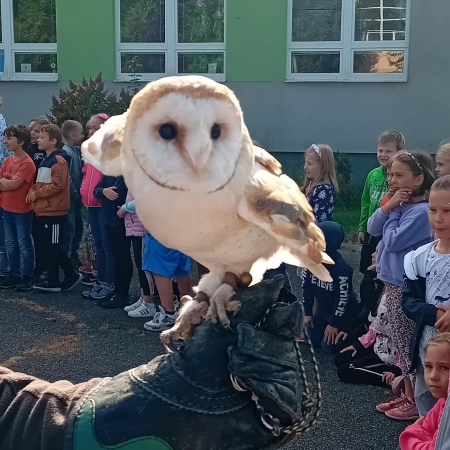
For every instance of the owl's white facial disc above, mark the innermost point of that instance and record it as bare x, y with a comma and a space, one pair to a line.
190, 144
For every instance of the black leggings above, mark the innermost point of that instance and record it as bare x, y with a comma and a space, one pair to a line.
136, 241
364, 368
120, 247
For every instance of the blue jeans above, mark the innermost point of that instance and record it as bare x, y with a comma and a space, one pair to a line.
104, 255
3, 254
18, 243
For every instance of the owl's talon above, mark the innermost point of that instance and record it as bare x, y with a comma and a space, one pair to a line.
191, 314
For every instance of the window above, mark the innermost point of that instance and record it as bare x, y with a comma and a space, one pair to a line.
170, 37
348, 40
28, 40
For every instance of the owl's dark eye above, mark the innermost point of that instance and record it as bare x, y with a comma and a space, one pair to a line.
215, 131
168, 131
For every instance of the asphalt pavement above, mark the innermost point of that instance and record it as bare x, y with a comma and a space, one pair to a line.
62, 336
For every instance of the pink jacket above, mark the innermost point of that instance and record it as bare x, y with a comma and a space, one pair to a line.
91, 177
133, 226
422, 436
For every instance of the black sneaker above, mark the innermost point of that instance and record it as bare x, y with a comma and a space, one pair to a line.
10, 282
76, 263
25, 285
116, 301
89, 280
47, 286
70, 282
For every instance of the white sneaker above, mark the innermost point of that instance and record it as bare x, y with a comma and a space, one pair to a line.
144, 310
134, 305
161, 321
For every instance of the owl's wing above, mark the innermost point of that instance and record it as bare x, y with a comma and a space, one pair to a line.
102, 150
267, 160
277, 205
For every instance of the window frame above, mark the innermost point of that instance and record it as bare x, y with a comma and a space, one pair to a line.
347, 46
10, 48
171, 47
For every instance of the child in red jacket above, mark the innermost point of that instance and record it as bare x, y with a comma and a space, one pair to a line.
423, 433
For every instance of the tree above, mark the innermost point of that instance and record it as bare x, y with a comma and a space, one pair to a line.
81, 101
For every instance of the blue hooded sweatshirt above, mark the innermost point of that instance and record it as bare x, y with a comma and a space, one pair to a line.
334, 297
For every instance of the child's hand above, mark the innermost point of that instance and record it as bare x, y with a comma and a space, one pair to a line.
400, 196
419, 420
120, 212
308, 322
31, 197
330, 334
443, 318
343, 335
373, 266
110, 193
388, 378
350, 349
361, 236
391, 192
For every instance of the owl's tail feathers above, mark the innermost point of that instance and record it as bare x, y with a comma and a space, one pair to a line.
295, 258
304, 260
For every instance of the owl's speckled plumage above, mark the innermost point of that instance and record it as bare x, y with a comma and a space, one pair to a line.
210, 194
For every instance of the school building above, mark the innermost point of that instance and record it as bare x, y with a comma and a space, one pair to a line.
306, 71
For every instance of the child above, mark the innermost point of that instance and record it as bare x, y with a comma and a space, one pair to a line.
337, 309
135, 231
16, 177
423, 434
37, 156
35, 153
403, 225
443, 160
371, 359
164, 264
102, 281
4, 152
73, 134
427, 287
375, 187
320, 186
51, 201
112, 192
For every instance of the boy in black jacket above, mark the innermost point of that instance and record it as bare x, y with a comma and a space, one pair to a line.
337, 306
112, 193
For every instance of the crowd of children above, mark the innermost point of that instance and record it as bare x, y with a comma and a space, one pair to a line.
396, 334
44, 186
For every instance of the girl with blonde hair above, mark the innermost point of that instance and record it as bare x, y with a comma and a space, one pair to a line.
320, 182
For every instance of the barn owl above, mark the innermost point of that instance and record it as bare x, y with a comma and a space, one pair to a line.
203, 188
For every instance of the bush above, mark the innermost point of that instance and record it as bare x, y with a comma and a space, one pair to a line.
81, 101
349, 196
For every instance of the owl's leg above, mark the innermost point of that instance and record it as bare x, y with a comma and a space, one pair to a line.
221, 301
193, 310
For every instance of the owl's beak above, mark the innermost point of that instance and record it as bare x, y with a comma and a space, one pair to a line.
198, 164
197, 167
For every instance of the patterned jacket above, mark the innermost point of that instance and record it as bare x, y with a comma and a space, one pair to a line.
321, 198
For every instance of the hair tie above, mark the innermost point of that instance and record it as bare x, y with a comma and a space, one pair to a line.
315, 148
103, 116
415, 160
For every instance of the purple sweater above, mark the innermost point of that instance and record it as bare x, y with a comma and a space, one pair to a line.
404, 229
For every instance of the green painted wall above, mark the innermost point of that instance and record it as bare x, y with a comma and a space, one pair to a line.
86, 39
256, 40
